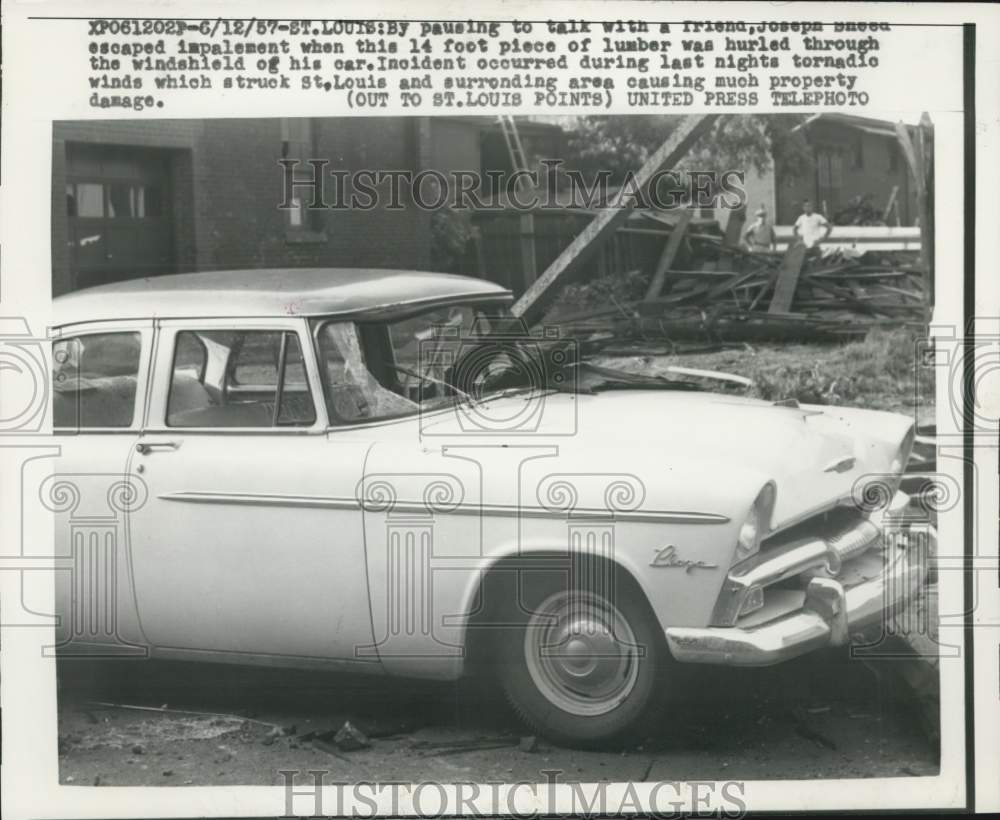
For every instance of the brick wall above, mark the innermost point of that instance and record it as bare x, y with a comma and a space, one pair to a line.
226, 185
239, 185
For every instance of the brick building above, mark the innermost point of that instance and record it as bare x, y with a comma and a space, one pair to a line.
142, 198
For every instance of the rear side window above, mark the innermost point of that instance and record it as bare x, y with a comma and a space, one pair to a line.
94, 380
230, 379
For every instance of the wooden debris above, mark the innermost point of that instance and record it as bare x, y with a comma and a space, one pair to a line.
920, 161
788, 278
743, 381
531, 303
458, 747
669, 252
793, 296
733, 236
350, 738
164, 710
889, 205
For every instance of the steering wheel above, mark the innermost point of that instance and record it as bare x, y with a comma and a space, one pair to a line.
492, 364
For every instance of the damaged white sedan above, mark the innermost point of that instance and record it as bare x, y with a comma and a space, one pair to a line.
381, 471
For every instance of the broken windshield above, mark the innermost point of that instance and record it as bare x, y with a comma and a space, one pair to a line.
460, 352
375, 370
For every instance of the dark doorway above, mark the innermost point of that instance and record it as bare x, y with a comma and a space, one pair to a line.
118, 211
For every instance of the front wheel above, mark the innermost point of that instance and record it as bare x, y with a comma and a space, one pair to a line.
584, 668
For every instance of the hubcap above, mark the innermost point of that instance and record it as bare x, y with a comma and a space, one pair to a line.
581, 653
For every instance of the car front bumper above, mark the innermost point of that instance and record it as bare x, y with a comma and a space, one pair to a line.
830, 614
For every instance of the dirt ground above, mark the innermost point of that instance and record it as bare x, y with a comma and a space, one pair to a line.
824, 715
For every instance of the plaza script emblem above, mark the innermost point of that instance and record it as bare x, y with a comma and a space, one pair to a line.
667, 557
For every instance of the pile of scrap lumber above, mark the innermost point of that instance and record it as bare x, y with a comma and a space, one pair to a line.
706, 286
727, 294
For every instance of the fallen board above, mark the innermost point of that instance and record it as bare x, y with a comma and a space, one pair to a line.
788, 279
733, 236
669, 253
531, 304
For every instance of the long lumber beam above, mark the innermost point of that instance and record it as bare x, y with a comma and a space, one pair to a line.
603, 225
926, 135
669, 252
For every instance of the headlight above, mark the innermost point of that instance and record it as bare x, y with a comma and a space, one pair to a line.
879, 497
896, 468
748, 541
756, 524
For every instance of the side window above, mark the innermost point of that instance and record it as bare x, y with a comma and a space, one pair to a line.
94, 380
239, 379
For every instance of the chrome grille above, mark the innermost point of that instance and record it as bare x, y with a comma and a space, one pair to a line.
819, 546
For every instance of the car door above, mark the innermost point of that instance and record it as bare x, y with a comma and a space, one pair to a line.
252, 540
100, 374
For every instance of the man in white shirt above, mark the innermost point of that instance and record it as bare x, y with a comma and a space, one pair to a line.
812, 228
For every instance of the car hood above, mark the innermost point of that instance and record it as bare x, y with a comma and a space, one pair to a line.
815, 455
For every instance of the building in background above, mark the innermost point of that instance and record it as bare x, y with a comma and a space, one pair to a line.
145, 198
858, 171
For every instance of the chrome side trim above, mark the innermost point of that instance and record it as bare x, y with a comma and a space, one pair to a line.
263, 500
346, 503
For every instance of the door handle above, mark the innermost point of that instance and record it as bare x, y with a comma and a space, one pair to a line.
144, 448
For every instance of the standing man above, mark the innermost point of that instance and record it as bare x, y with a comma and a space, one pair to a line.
812, 228
759, 237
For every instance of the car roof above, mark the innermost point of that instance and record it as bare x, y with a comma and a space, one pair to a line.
268, 292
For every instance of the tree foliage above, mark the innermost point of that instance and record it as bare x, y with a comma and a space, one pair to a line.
621, 144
